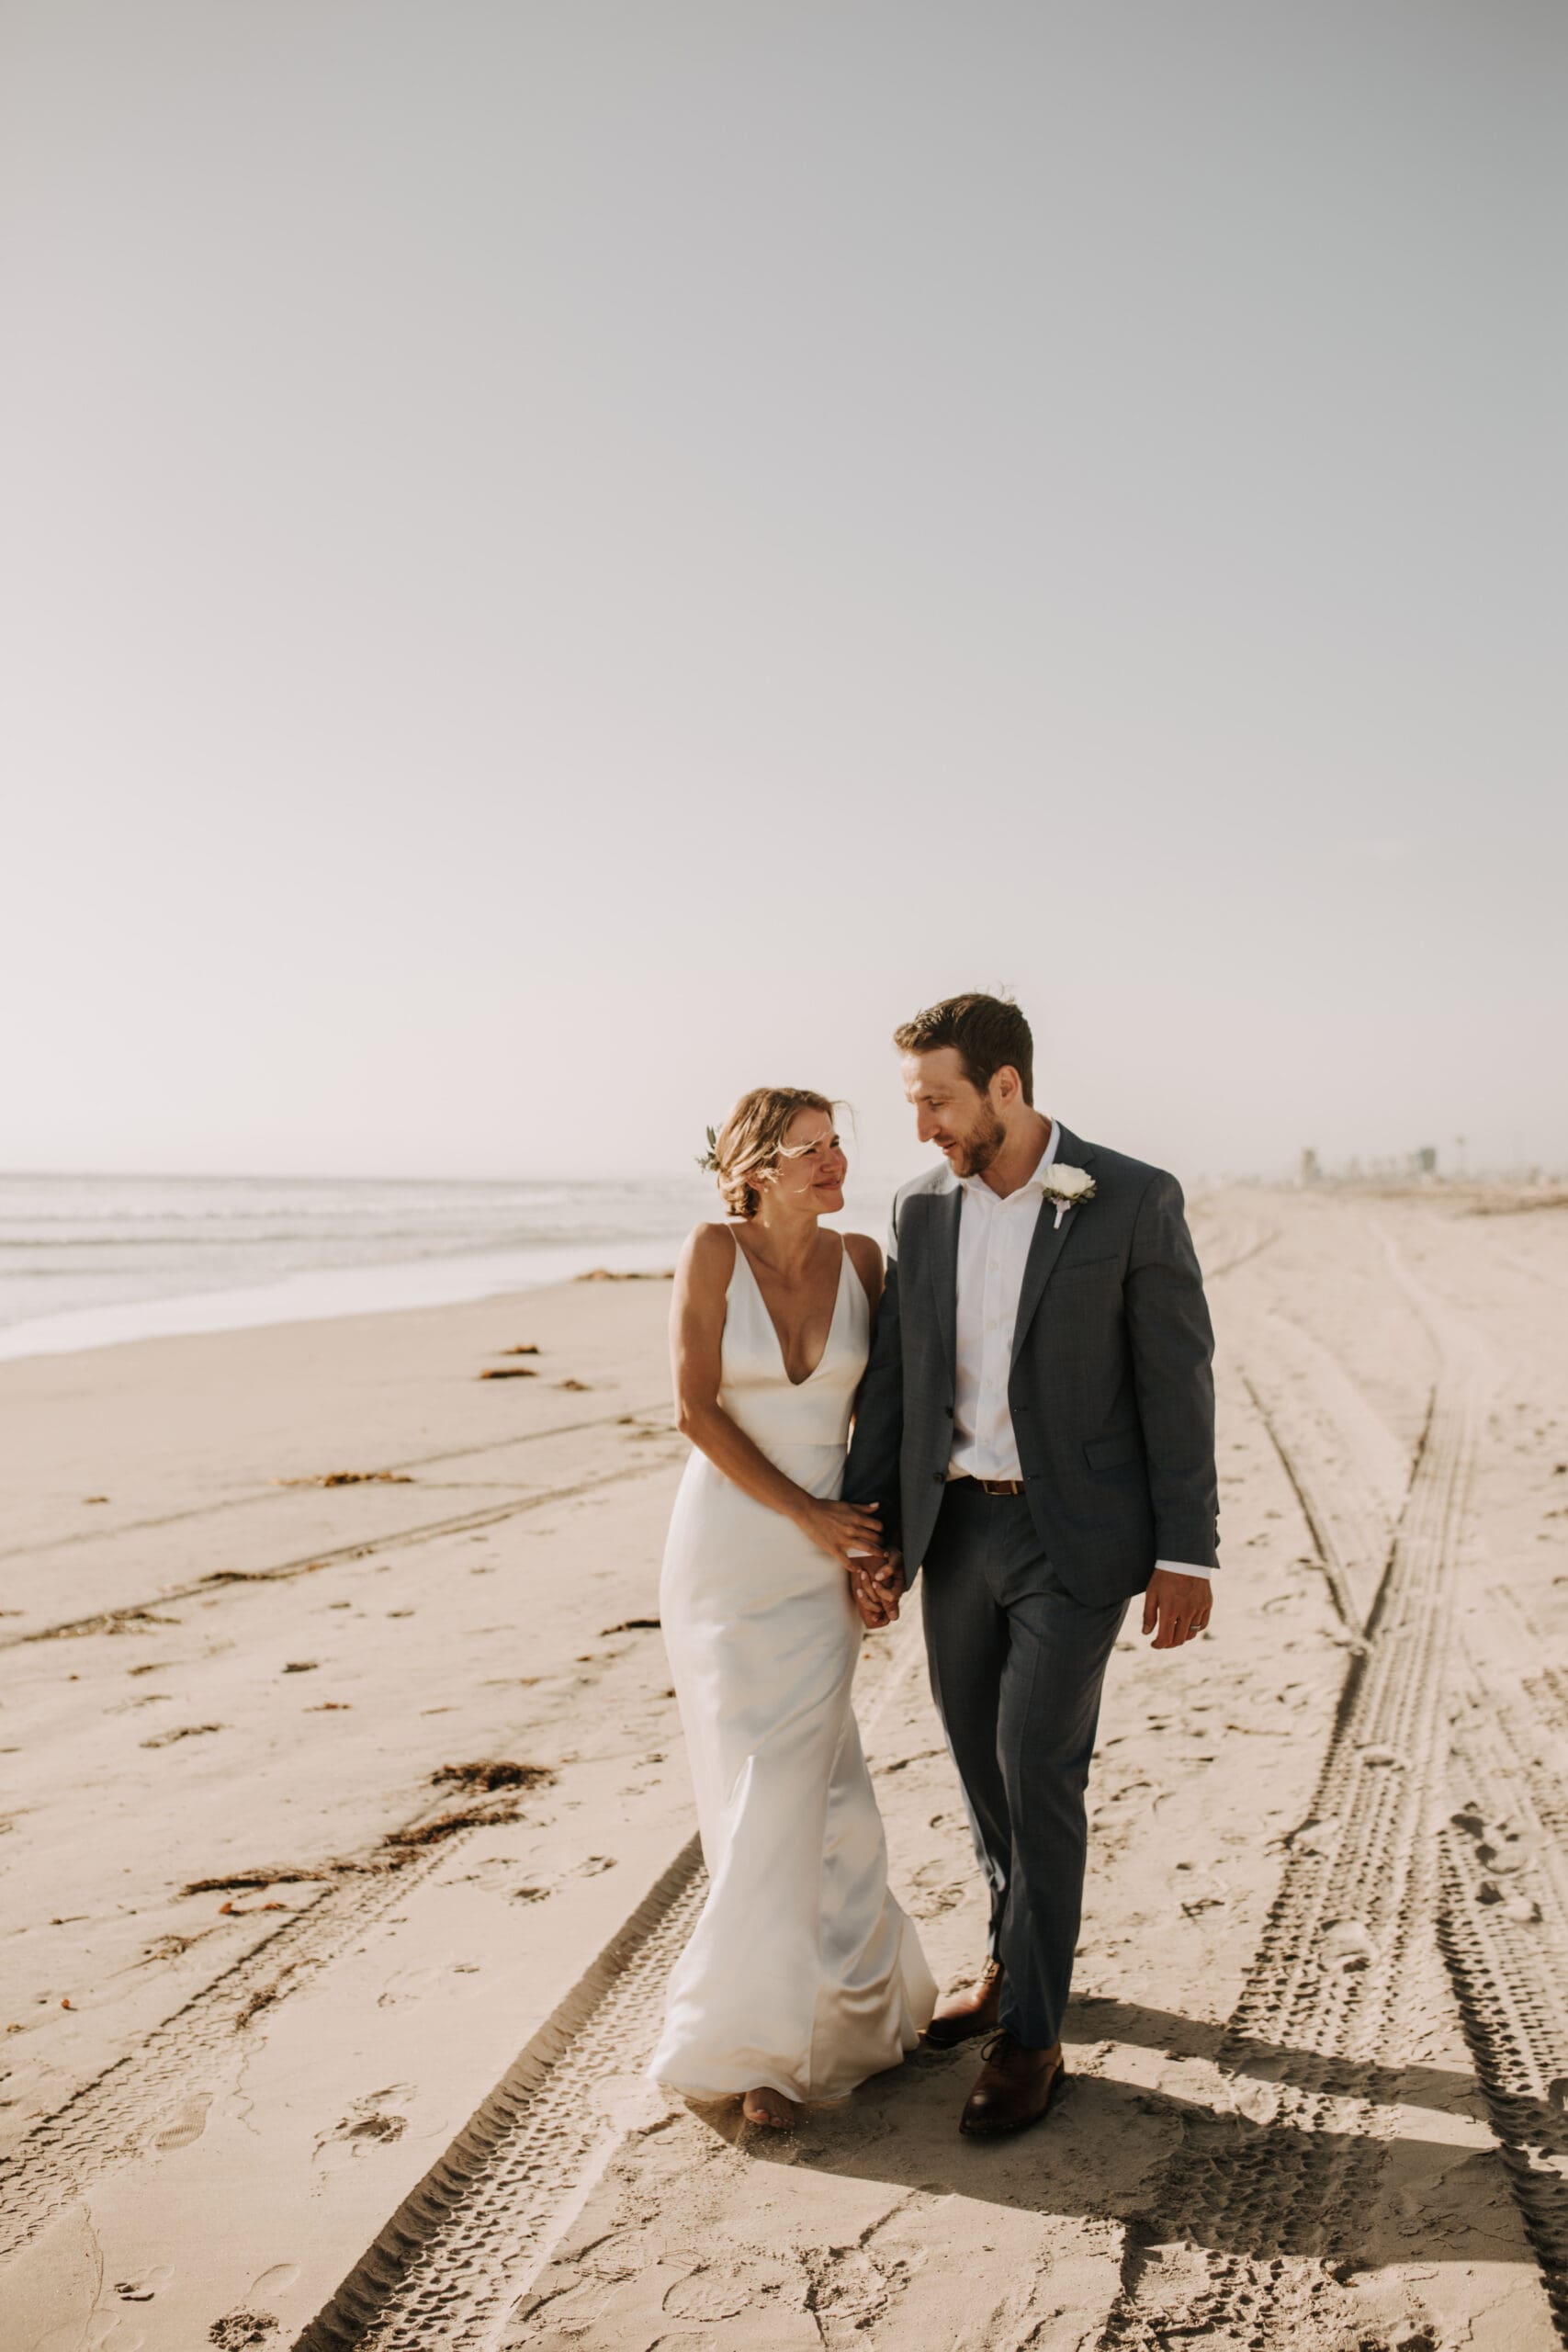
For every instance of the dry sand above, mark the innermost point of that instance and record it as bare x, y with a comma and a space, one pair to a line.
349, 1839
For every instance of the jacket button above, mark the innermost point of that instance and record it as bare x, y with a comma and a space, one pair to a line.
940, 1477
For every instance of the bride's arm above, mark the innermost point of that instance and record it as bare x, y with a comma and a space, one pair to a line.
696, 1338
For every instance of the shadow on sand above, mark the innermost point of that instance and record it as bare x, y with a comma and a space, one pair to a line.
1170, 2169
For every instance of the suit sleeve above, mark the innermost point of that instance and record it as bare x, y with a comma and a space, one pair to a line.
871, 1473
1172, 1343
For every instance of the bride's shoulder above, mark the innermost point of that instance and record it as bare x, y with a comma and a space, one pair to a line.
704, 1269
710, 1246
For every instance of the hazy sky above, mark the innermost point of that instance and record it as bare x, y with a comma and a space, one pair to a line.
563, 559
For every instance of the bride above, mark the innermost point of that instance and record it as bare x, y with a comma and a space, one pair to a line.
803, 1976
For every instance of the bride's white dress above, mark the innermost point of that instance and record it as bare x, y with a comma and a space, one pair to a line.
802, 1973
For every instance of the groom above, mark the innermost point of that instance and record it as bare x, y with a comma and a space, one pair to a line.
1037, 1422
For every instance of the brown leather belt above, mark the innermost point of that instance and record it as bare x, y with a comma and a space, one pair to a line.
990, 1485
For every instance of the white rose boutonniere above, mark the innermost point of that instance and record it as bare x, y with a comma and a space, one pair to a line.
1067, 1187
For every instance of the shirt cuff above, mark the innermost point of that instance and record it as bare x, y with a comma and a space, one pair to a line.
1180, 1568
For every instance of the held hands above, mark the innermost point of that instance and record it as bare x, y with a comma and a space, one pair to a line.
876, 1585
1178, 1605
851, 1535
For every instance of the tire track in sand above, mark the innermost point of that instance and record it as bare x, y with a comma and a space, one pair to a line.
1294, 2175
467, 2240
466, 2244
1503, 1917
258, 1496
1503, 1932
222, 1581
1349, 1474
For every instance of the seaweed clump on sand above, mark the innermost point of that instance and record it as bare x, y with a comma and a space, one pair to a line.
611, 1274
447, 1824
491, 1774
350, 1478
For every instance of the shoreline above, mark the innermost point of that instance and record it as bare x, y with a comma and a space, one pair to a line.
326, 1293
459, 1277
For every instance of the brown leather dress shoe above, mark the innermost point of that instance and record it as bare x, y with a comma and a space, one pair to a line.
976, 2011
1016, 2087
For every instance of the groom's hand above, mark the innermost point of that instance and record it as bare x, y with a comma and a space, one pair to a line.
877, 1586
1178, 1605
887, 1576
889, 1566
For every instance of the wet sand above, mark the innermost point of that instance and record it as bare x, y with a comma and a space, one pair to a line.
349, 1841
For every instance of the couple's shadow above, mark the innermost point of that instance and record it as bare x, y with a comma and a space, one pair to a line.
1170, 2168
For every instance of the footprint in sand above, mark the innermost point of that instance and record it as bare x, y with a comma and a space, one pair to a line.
413, 1984
187, 2122
630, 2102
142, 2288
372, 2132
276, 2281
371, 2123
936, 1890
236, 2331
707, 2295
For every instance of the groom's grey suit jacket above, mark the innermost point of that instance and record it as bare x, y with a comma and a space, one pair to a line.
1111, 1389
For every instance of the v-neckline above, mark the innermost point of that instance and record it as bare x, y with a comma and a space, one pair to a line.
778, 1342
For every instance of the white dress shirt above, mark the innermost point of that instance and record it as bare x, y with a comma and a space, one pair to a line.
994, 1234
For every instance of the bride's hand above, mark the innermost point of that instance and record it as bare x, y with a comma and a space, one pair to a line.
842, 1530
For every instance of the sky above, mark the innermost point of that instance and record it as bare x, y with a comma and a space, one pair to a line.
563, 560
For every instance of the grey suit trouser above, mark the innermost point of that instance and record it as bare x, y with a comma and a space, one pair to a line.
1016, 1667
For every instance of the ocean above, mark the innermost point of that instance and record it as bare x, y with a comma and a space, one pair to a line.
85, 1261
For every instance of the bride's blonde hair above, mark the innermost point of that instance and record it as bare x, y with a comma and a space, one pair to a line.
751, 1141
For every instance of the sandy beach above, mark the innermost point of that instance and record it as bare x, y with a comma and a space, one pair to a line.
349, 1839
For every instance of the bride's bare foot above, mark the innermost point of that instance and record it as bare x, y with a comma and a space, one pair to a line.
769, 2106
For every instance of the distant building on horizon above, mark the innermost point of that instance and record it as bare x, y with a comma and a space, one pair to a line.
1419, 1165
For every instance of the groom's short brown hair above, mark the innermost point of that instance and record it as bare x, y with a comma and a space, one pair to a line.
988, 1033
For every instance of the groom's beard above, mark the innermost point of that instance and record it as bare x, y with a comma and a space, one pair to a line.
980, 1148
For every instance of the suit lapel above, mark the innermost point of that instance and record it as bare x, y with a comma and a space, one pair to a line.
945, 1268
1047, 1242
